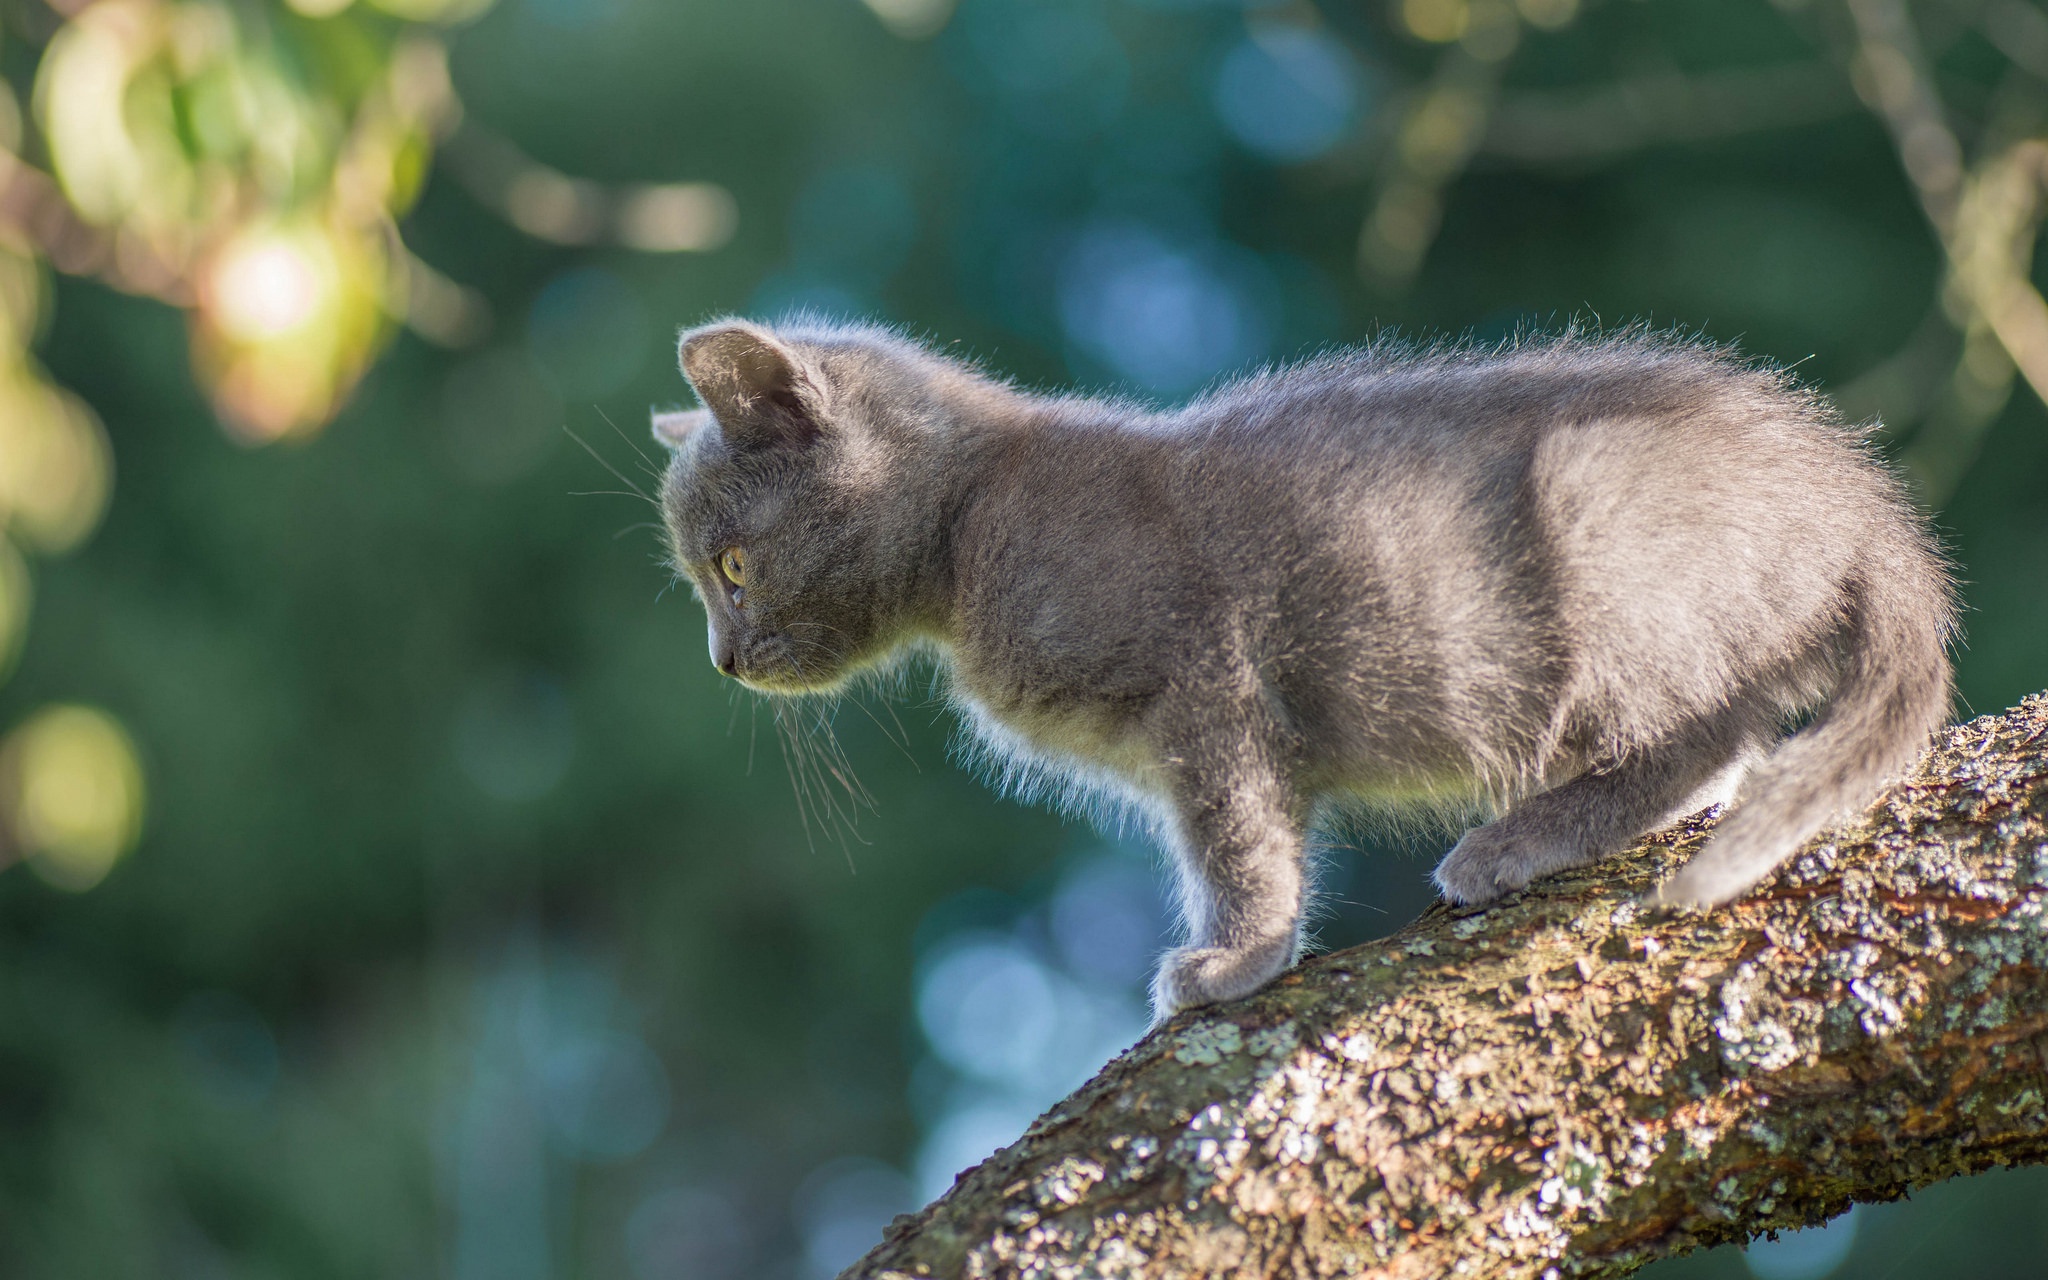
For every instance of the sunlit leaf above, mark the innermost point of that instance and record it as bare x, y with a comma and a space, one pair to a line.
16, 594
56, 468
71, 794
289, 316
21, 301
438, 11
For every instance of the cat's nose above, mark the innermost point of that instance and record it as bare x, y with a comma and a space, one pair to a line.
722, 655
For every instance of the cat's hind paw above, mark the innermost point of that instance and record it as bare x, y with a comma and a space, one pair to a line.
1703, 884
1191, 976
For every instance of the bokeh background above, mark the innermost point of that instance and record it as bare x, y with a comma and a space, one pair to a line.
389, 886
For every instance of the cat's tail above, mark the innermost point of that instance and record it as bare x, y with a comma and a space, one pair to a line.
1892, 693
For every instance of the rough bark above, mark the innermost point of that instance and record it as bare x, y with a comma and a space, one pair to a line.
1569, 1083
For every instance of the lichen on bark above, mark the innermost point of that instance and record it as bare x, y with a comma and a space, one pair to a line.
1571, 1083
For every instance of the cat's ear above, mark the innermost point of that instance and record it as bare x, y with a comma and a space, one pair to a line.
673, 429
755, 386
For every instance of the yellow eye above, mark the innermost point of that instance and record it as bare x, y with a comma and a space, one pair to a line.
733, 565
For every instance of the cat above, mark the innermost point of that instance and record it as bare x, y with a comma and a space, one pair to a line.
1589, 580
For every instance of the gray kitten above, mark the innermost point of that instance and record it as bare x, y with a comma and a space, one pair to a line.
1589, 580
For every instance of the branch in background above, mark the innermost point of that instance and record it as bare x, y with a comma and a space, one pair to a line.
36, 219
2020, 32
1462, 111
1567, 1084
672, 217
1901, 388
1986, 219
1541, 127
1889, 71
1439, 131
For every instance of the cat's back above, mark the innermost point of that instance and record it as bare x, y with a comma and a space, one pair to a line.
1638, 466
1476, 401
1637, 432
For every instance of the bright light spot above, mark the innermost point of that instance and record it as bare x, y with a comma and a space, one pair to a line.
1167, 317
1287, 93
288, 317
842, 1208
553, 1070
264, 395
989, 1009
965, 1137
440, 310
81, 100
1811, 1254
71, 790
55, 465
1492, 33
420, 83
1548, 14
606, 1095
554, 206
319, 8
268, 285
446, 12
1437, 21
1012, 1033
15, 593
913, 19
683, 217
21, 299
1106, 921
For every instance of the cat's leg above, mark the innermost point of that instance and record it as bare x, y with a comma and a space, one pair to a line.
1599, 812
1236, 833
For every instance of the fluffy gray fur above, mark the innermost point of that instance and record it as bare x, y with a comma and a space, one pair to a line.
1588, 581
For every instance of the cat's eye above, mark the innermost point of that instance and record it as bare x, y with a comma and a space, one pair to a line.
733, 564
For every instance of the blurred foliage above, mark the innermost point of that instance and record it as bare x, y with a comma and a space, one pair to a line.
447, 915
247, 164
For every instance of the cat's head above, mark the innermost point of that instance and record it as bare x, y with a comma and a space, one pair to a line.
792, 498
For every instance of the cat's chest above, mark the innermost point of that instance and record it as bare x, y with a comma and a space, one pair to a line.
1059, 677
1023, 723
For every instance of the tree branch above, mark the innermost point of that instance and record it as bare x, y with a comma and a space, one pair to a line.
1550, 126
1569, 1083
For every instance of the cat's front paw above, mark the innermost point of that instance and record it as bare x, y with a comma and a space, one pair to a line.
1190, 976
1479, 869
